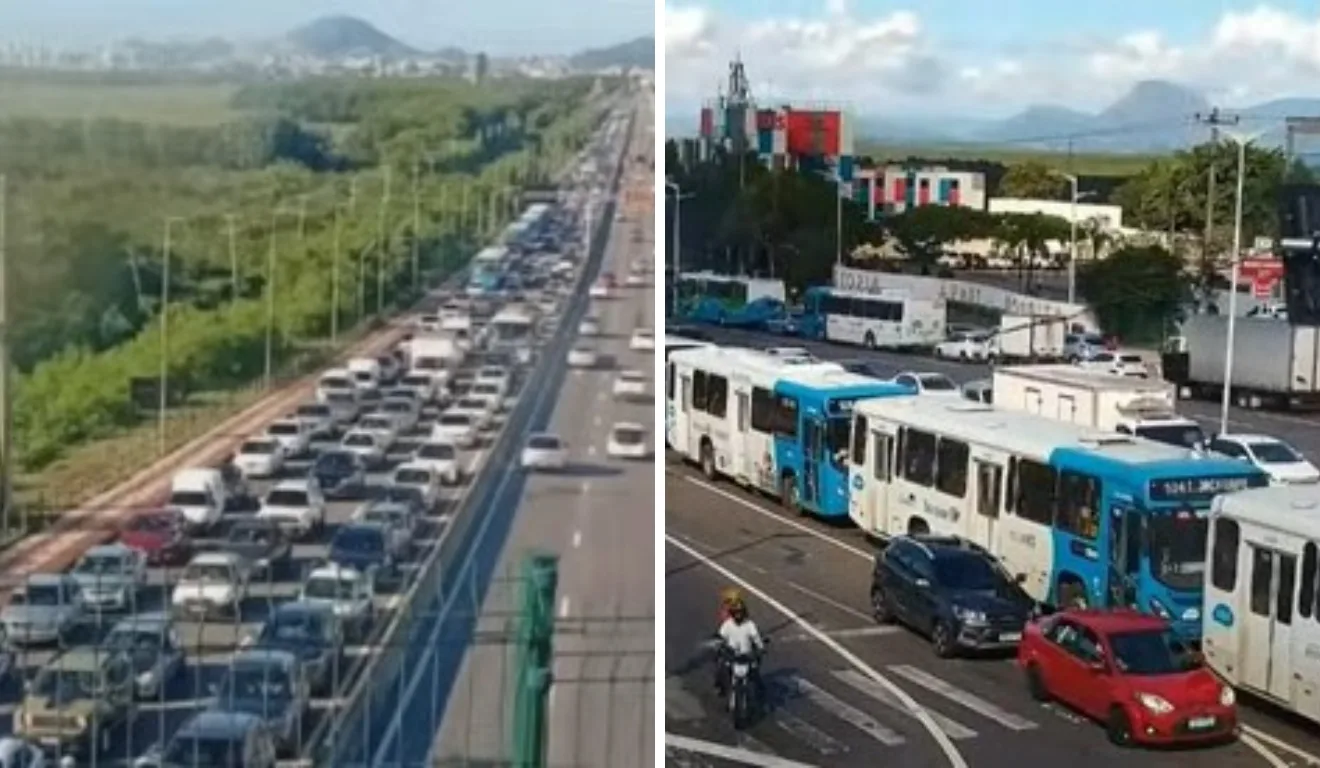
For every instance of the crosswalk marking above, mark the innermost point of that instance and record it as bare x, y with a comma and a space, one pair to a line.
814, 737
845, 712
952, 728
959, 696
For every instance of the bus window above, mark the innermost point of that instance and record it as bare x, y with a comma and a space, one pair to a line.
859, 441
883, 456
743, 407
987, 488
763, 411
1079, 504
1223, 570
699, 390
669, 382
1036, 488
951, 467
918, 459
786, 416
1306, 600
837, 431
717, 396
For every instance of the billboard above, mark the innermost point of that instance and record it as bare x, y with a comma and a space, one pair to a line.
814, 133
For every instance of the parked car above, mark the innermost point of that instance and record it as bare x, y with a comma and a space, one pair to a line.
1119, 362
967, 345
109, 577
153, 647
927, 383
160, 535
950, 590
1129, 671
44, 609
1283, 463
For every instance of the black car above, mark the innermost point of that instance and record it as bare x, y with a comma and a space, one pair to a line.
951, 590
342, 474
262, 543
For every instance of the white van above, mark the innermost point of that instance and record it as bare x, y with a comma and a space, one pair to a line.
200, 495
335, 380
366, 372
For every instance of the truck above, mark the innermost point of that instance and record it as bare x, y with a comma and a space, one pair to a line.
1098, 399
1275, 364
435, 354
1030, 337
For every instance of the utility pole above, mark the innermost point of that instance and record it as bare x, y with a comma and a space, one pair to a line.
231, 221
334, 275
382, 247
417, 228
270, 298
462, 215
1214, 119
164, 383
6, 409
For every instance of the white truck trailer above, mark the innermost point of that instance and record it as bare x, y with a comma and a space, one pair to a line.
1098, 399
1025, 337
1275, 364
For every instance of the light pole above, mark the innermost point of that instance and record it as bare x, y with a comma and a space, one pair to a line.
231, 220
164, 383
270, 298
679, 197
334, 274
838, 222
6, 410
1242, 140
1072, 237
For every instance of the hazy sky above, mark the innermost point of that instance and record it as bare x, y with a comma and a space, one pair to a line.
497, 26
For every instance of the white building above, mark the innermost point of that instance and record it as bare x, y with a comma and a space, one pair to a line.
1109, 218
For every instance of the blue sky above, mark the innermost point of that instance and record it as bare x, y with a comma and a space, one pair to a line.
992, 57
497, 26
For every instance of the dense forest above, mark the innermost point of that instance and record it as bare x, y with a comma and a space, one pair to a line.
320, 178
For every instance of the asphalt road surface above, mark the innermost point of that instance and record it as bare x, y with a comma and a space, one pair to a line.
598, 517
825, 706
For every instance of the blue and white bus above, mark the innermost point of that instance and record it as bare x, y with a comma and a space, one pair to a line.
486, 273
778, 423
888, 320
1083, 517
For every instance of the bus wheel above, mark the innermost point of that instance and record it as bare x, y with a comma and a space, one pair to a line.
708, 462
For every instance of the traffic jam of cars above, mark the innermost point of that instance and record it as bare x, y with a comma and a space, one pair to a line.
233, 615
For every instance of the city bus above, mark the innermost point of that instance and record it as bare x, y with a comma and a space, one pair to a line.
1262, 594
513, 330
890, 320
710, 298
777, 423
486, 274
1081, 516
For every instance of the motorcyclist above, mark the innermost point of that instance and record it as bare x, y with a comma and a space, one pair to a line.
738, 637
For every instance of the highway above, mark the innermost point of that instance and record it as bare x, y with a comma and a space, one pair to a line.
598, 517
1300, 429
210, 645
827, 655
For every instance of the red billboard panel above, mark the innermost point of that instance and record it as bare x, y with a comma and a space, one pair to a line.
765, 120
814, 134
707, 122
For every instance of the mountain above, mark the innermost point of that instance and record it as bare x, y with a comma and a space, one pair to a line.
635, 54
332, 37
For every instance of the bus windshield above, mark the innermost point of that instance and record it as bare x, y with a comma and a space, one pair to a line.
1176, 546
836, 439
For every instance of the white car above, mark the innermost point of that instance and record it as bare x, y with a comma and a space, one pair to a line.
544, 451
260, 457
489, 391
1118, 362
630, 383
599, 290
293, 436
634, 280
368, 445
423, 478
441, 458
396, 518
643, 340
627, 441
383, 424
929, 383
317, 418
456, 427
425, 385
296, 506
589, 327
346, 592
582, 357
406, 412
1284, 464
968, 345
481, 409
213, 583
428, 323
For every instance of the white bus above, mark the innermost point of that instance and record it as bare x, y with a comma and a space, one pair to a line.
885, 321
1083, 517
513, 330
1262, 595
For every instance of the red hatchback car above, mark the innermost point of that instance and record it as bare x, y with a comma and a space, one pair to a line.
1130, 672
161, 535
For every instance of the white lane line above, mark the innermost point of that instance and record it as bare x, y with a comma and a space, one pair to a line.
1254, 744
844, 711
967, 699
1279, 743
952, 728
805, 732
744, 756
563, 607
826, 599
752, 745
844, 634
950, 751
577, 539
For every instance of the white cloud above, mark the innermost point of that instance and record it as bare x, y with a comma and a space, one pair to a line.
890, 63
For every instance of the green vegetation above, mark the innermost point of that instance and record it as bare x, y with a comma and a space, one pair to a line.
169, 103
416, 174
1081, 164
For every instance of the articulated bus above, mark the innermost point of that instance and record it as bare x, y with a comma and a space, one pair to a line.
775, 423
885, 321
1262, 594
1082, 517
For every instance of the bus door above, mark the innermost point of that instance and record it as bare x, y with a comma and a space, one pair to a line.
813, 448
683, 421
1265, 656
738, 443
1125, 536
868, 494
989, 480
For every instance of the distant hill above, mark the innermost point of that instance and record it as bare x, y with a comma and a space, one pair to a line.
339, 36
638, 54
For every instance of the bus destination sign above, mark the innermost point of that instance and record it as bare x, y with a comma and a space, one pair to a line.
1184, 488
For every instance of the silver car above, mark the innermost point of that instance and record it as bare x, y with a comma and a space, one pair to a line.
109, 577
43, 610
345, 591
153, 646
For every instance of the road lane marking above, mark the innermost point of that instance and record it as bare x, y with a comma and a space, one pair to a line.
844, 634
826, 599
563, 607
744, 756
752, 745
824, 744
952, 728
1260, 749
950, 751
844, 711
577, 539
1279, 743
967, 699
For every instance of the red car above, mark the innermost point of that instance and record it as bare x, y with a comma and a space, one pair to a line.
161, 535
1130, 672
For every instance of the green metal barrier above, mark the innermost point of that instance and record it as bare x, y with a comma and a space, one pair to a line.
536, 630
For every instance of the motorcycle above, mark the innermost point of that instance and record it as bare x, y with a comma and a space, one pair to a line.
743, 690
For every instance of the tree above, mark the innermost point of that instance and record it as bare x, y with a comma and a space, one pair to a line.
922, 232
1035, 181
1136, 292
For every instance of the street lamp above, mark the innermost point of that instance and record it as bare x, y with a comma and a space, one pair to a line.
679, 197
1242, 140
1072, 238
164, 332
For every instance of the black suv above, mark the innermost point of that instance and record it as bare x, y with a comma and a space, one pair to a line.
951, 590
